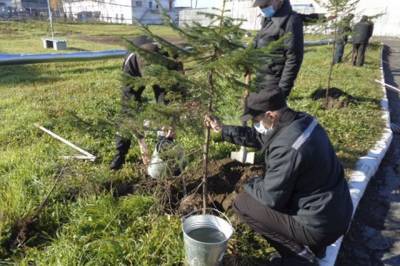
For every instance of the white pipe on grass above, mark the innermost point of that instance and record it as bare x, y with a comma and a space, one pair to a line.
89, 156
387, 85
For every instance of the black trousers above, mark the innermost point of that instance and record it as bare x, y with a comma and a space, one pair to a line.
123, 144
359, 50
282, 231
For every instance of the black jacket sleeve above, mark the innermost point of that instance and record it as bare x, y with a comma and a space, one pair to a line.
276, 188
243, 136
294, 52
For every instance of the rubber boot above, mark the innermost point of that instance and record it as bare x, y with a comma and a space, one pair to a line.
122, 145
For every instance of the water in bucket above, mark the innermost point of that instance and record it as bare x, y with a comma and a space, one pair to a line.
207, 235
205, 239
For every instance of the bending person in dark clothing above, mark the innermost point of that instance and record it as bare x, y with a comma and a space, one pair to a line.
133, 66
302, 204
280, 21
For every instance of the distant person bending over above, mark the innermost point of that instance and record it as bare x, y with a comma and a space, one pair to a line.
302, 204
362, 32
133, 66
280, 21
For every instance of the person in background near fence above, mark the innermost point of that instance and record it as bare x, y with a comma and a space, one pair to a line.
280, 21
132, 66
342, 35
302, 204
362, 32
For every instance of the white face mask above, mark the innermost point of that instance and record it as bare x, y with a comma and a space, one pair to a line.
261, 129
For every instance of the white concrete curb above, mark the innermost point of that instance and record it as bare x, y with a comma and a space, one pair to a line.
366, 167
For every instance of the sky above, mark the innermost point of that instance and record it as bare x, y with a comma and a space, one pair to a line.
200, 3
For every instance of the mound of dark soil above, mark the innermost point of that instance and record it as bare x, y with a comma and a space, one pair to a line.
225, 180
336, 98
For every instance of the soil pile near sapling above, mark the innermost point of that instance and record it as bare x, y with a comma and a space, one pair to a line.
183, 194
226, 178
336, 98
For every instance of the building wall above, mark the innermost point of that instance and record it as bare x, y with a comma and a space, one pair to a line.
243, 10
238, 9
120, 11
34, 4
12, 3
109, 11
190, 15
25, 4
386, 25
148, 11
6, 3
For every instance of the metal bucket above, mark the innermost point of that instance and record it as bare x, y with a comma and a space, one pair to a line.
206, 252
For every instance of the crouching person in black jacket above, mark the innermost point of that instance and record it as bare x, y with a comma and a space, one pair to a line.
303, 203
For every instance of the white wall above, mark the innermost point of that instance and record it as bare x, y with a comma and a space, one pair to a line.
149, 13
386, 25
244, 10
389, 23
238, 9
188, 16
120, 11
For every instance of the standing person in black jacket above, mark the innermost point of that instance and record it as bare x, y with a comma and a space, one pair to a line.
362, 32
133, 66
280, 21
344, 29
302, 204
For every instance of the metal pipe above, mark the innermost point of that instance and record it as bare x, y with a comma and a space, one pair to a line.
319, 42
17, 59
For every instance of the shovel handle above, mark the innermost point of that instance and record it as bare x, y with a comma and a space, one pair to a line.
246, 93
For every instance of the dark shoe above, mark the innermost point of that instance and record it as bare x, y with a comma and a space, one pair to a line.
320, 253
117, 162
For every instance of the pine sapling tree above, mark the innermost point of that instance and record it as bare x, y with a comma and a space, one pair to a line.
340, 10
215, 60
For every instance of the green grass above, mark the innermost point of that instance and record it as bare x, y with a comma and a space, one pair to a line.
82, 223
25, 37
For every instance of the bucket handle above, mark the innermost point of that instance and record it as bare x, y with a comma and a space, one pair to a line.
212, 209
